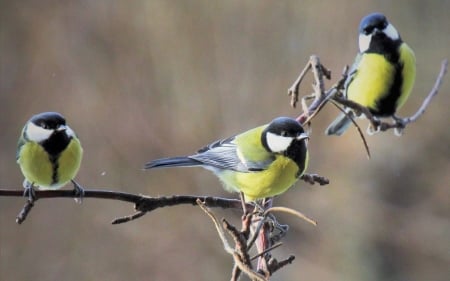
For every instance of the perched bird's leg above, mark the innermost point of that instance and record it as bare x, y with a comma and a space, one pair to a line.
244, 206
278, 230
400, 125
371, 130
260, 206
29, 191
79, 192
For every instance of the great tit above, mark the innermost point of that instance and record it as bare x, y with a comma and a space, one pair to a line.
382, 75
48, 153
262, 162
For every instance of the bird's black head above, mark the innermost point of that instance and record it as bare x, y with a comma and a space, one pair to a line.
281, 133
49, 129
378, 35
48, 120
287, 137
372, 22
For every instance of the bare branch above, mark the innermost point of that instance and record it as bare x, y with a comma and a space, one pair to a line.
240, 254
293, 91
24, 212
319, 87
219, 228
143, 204
274, 265
273, 247
315, 178
400, 123
320, 95
128, 218
433, 92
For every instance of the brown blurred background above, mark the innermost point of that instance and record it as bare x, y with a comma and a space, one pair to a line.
138, 80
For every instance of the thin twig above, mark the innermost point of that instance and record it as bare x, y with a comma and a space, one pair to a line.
245, 269
292, 212
24, 212
293, 91
239, 254
266, 251
274, 265
219, 228
400, 123
320, 95
358, 128
315, 178
128, 218
434, 91
322, 100
260, 220
358, 109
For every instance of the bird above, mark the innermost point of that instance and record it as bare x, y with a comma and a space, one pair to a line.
49, 154
383, 74
260, 163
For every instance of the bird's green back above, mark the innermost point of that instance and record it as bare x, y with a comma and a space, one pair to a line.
408, 60
250, 147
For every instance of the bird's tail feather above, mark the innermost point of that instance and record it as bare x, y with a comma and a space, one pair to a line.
339, 125
182, 161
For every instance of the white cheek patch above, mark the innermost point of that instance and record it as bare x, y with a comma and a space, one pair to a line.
391, 32
70, 132
36, 133
278, 143
364, 42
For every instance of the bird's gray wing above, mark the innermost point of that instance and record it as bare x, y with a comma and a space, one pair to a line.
223, 155
352, 72
22, 141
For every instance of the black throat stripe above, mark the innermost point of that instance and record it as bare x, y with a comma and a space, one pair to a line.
382, 45
54, 145
297, 151
55, 166
387, 105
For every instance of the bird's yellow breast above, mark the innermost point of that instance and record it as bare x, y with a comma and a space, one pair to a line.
372, 81
376, 78
35, 164
37, 168
70, 161
276, 179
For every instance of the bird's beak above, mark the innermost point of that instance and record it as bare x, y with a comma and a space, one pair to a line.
61, 128
302, 136
377, 31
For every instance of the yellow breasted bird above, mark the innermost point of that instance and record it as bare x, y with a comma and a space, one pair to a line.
48, 153
383, 73
262, 162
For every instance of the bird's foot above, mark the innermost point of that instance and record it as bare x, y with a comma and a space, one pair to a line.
29, 191
79, 192
374, 127
277, 230
400, 125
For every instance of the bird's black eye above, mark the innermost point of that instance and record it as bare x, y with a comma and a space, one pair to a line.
44, 125
368, 30
284, 133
